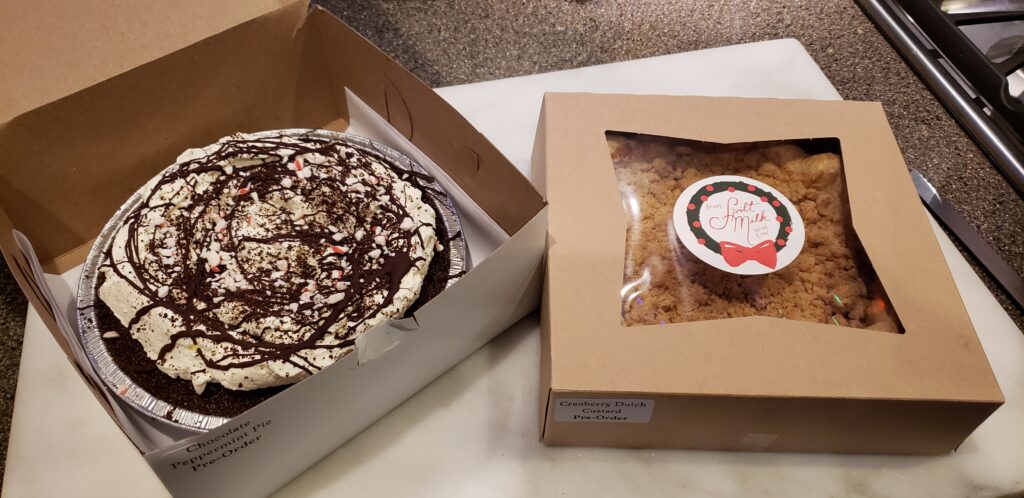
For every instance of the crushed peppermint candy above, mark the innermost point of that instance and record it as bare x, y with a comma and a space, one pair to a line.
111, 334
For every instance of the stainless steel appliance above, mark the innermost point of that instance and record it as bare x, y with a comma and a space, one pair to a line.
970, 53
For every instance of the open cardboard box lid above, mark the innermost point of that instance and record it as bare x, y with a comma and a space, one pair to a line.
53, 49
203, 84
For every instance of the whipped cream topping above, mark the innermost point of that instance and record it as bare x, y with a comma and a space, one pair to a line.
257, 261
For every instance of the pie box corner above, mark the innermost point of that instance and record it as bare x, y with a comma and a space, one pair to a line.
68, 164
754, 383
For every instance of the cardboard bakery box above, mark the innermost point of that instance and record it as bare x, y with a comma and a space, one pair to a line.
69, 157
746, 274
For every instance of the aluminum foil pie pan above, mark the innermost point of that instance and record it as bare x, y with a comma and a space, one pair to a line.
90, 335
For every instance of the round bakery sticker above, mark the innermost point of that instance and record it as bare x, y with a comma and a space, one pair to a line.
739, 225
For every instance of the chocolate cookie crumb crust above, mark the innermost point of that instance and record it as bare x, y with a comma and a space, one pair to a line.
131, 358
831, 281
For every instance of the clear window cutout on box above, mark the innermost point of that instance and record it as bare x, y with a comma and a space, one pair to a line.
718, 231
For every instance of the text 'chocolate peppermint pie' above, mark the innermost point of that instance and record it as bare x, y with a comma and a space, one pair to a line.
257, 261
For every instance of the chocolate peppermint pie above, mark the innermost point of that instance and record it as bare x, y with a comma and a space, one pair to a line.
255, 262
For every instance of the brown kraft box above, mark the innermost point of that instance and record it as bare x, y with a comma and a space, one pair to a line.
756, 383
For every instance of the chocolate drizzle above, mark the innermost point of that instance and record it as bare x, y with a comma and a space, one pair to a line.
273, 249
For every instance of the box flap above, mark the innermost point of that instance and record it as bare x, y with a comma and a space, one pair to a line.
53, 49
430, 123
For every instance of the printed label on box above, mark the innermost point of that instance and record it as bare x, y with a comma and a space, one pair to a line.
246, 442
739, 225
625, 411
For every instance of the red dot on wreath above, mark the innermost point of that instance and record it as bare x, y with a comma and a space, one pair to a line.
732, 189
691, 206
778, 218
700, 241
710, 188
696, 224
776, 203
703, 198
789, 229
780, 242
751, 188
764, 199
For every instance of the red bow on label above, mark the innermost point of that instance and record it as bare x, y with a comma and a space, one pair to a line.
763, 253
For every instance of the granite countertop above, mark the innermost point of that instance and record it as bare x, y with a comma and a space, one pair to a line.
448, 42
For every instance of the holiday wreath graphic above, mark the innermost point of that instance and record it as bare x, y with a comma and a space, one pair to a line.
766, 252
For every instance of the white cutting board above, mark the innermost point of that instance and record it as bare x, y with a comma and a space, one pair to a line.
473, 432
